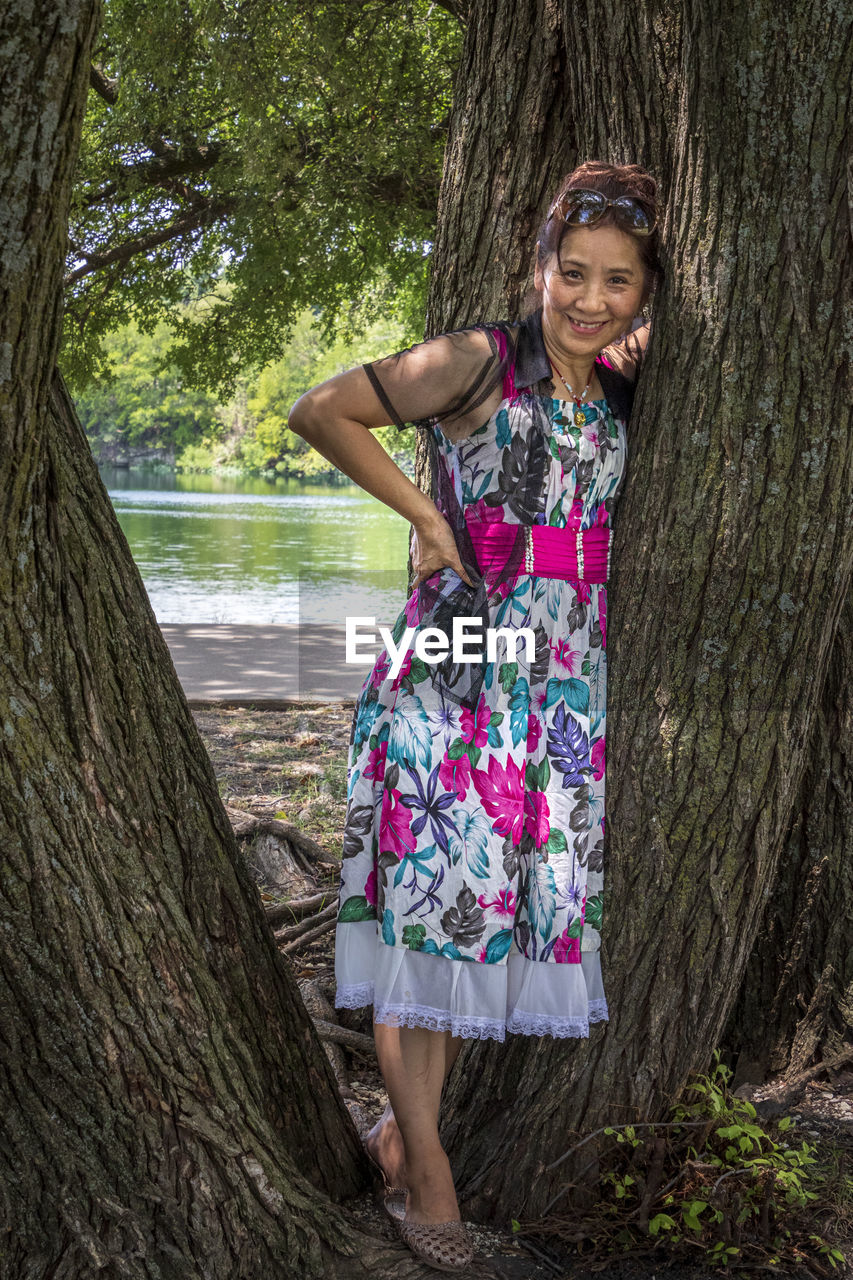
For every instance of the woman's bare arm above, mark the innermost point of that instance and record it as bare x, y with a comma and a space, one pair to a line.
338, 418
627, 355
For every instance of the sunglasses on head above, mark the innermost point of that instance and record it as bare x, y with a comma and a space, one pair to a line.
582, 207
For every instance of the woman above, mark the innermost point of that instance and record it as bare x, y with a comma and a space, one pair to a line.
470, 900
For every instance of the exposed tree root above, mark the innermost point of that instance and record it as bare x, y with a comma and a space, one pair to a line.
296, 909
342, 1035
304, 848
325, 926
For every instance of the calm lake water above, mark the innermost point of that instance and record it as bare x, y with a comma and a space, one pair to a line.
244, 550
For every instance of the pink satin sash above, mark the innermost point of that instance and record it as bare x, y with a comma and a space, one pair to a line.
574, 555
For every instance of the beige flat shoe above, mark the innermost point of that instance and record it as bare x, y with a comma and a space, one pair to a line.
443, 1245
393, 1198
394, 1201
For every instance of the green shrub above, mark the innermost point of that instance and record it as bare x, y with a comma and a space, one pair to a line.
713, 1180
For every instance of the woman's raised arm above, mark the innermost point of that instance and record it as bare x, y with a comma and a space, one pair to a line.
338, 416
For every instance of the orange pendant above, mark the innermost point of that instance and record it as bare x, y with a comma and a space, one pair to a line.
580, 417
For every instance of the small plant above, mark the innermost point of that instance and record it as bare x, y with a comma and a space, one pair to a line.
713, 1179
336, 778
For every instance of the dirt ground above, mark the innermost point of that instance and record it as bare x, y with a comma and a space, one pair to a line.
291, 764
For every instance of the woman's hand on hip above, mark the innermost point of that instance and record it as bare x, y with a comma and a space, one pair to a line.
434, 548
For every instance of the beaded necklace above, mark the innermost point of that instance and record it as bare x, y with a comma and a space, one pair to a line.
579, 415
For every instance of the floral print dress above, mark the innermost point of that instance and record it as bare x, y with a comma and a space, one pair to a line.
471, 885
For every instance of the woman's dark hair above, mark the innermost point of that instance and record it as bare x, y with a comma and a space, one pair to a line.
612, 180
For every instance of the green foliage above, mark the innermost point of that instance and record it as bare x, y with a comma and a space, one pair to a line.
241, 163
142, 403
744, 1193
307, 361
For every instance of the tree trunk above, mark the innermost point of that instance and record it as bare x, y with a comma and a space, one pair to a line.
167, 1107
733, 543
511, 140
796, 1001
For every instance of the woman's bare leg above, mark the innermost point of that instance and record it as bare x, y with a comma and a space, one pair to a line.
385, 1144
385, 1141
454, 1044
415, 1063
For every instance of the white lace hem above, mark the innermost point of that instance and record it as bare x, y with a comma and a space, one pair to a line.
474, 1001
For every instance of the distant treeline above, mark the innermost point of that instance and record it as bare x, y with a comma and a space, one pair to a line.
144, 415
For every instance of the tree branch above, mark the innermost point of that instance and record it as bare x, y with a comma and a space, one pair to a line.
457, 8
390, 189
159, 172
124, 252
108, 89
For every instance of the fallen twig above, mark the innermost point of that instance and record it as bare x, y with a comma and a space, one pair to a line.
295, 909
342, 1035
329, 920
308, 925
839, 1059
543, 1257
639, 1124
567, 1187
689, 1166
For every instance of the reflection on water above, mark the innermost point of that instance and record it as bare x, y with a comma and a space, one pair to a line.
227, 549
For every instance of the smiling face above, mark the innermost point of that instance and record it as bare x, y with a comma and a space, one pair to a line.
591, 296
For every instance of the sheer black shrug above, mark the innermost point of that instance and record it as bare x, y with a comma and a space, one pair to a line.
447, 382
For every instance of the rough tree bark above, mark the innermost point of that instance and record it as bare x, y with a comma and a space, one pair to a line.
510, 86
734, 541
167, 1107
796, 1000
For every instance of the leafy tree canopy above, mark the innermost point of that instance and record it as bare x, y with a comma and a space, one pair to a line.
289, 149
142, 403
